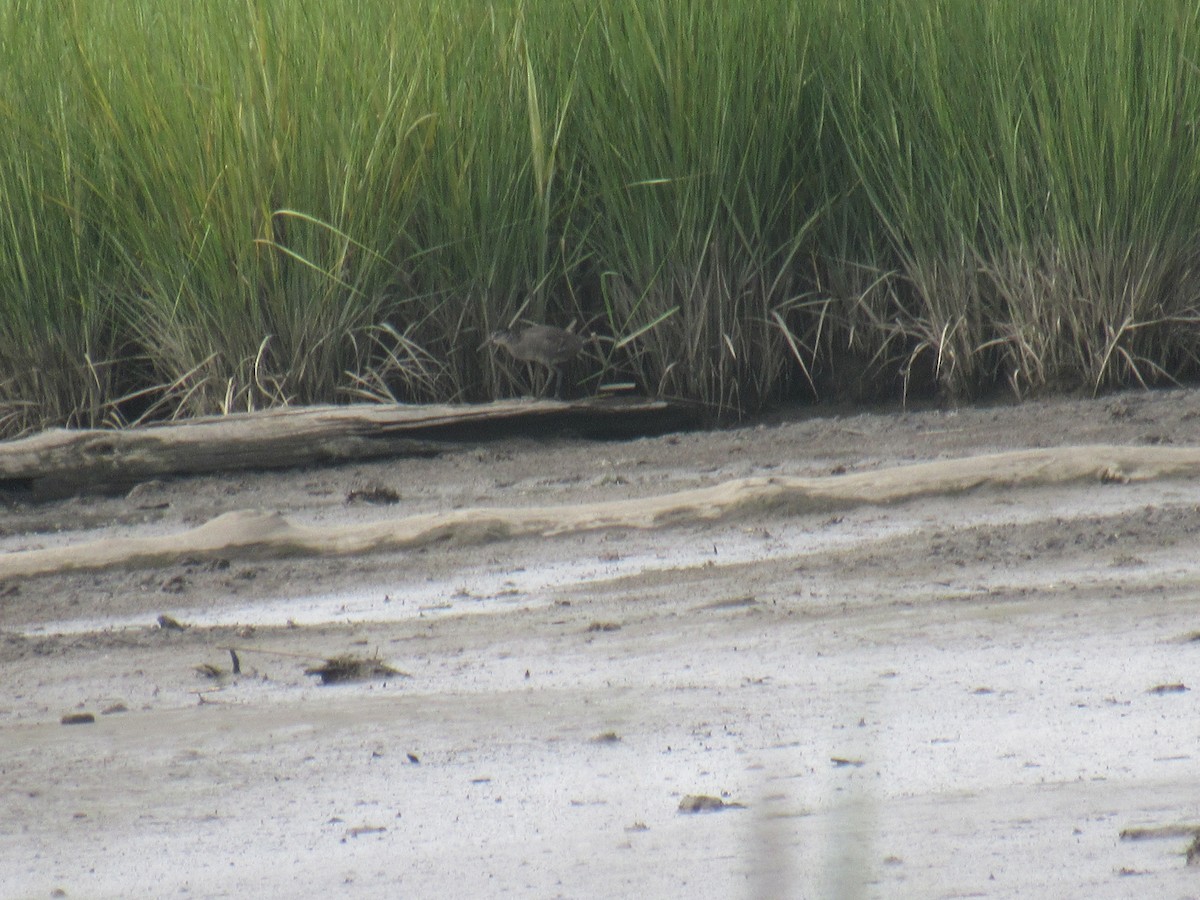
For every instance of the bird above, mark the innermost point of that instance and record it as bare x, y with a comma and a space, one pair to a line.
544, 344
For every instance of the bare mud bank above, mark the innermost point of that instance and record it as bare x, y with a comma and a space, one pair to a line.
971, 691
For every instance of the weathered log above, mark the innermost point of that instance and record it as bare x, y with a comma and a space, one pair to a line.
62, 462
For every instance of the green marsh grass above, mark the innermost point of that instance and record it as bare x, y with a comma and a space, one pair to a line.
1031, 178
233, 204
698, 127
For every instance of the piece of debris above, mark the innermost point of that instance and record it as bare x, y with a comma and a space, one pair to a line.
237, 663
9, 589
176, 584
607, 737
78, 719
352, 668
604, 626
208, 670
1159, 832
374, 493
115, 708
203, 564
637, 826
1193, 852
413, 758
697, 803
841, 761
1168, 689
1120, 409
166, 623
735, 603
142, 496
359, 830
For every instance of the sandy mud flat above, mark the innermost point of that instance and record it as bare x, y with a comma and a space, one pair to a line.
980, 691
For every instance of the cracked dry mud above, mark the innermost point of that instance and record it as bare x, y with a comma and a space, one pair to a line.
960, 694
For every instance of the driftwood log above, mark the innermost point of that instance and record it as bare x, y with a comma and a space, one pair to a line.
62, 463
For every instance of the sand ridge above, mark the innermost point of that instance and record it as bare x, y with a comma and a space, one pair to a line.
258, 534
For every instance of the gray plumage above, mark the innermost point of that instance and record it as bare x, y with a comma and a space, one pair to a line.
543, 344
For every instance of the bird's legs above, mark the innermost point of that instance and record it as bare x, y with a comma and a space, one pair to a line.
554, 375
